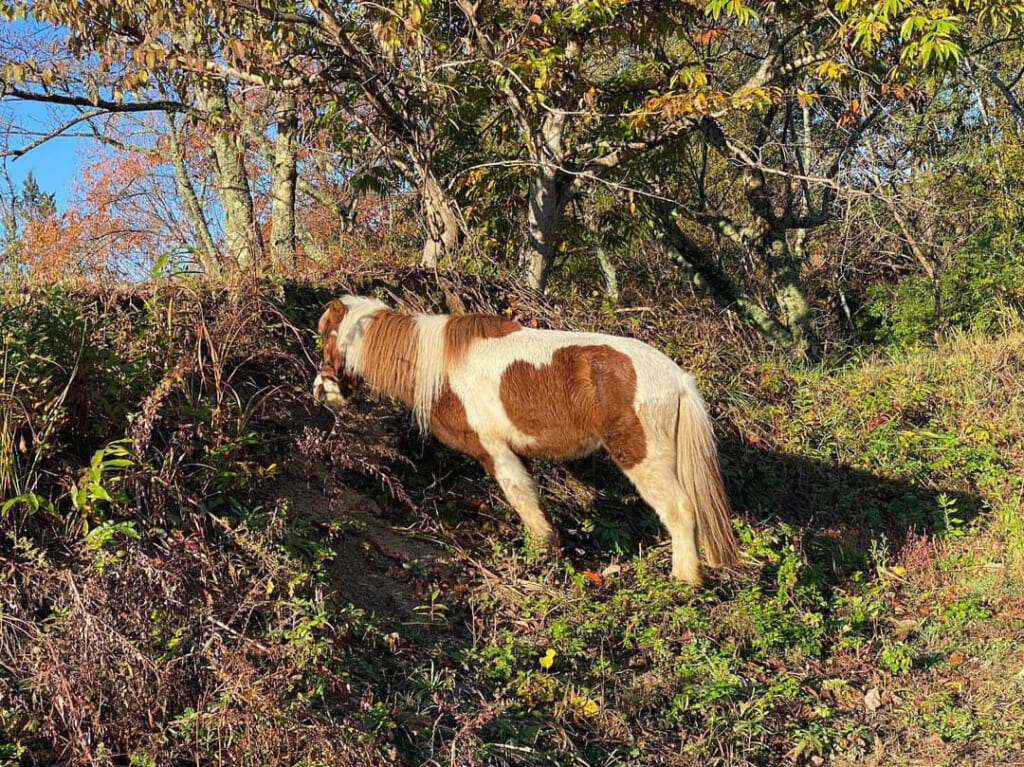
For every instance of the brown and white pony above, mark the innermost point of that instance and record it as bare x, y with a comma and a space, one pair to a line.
495, 390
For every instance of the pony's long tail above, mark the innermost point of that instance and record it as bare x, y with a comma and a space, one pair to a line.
698, 472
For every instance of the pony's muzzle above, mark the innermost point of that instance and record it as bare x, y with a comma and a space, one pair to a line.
327, 391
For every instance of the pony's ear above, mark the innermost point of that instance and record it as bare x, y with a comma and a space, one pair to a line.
331, 319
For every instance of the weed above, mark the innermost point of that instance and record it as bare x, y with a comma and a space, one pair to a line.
951, 720
896, 657
963, 612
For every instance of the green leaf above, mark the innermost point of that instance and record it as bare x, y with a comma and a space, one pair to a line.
160, 264
98, 491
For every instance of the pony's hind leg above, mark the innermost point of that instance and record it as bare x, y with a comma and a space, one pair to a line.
521, 493
655, 479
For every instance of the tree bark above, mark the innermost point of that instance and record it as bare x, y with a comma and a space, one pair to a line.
206, 249
549, 191
546, 199
791, 295
592, 220
611, 277
283, 180
443, 233
310, 247
241, 236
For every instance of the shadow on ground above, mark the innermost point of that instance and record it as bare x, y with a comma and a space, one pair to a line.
387, 545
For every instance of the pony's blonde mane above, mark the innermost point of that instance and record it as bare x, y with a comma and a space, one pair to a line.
352, 329
398, 354
409, 356
388, 354
431, 371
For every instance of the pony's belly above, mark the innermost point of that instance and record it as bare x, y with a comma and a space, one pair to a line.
559, 444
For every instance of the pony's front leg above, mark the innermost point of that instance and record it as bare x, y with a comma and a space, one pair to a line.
521, 493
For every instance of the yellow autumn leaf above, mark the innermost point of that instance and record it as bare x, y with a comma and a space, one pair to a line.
831, 70
547, 659
581, 704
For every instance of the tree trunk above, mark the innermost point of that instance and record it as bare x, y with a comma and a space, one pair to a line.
549, 191
443, 233
592, 220
206, 249
547, 197
283, 179
310, 247
791, 296
711, 279
241, 236
611, 277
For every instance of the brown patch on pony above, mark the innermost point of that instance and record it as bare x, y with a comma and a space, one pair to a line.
449, 424
462, 330
583, 396
333, 366
387, 359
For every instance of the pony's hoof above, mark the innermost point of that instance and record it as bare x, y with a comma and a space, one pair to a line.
544, 543
695, 579
551, 542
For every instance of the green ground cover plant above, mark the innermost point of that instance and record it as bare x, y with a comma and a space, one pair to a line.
198, 564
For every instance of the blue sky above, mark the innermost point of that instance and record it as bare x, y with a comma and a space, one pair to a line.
56, 163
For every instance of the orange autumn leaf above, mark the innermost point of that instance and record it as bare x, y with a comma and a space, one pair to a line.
852, 114
109, 226
705, 36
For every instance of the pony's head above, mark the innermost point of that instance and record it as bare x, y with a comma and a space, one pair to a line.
334, 384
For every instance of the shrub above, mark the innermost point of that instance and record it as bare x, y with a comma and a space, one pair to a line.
981, 290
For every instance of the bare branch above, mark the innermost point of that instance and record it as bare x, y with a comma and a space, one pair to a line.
1011, 99
7, 90
22, 150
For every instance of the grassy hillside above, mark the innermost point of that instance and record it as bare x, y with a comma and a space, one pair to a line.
198, 564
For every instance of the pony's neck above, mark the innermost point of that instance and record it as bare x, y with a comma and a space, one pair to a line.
383, 352
397, 354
